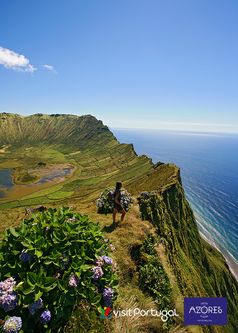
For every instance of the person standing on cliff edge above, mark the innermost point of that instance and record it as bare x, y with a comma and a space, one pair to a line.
117, 207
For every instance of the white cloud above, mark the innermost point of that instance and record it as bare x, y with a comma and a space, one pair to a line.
12, 60
50, 68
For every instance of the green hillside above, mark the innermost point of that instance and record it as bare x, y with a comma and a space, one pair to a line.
82, 142
52, 129
160, 255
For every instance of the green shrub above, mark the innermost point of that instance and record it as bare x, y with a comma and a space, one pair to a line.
154, 280
152, 276
149, 244
54, 260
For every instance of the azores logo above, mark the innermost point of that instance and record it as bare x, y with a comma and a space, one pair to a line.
205, 311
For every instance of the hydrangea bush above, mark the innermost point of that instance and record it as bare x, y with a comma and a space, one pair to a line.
47, 265
106, 199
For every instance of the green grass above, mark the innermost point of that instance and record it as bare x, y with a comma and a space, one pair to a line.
60, 195
94, 171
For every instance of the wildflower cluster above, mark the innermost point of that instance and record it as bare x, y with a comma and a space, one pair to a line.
104, 264
73, 281
105, 202
97, 272
12, 325
8, 297
108, 296
100, 262
126, 200
7, 285
68, 262
107, 260
45, 317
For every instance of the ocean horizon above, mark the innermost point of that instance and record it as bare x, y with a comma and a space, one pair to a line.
208, 165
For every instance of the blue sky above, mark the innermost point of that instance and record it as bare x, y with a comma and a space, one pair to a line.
132, 63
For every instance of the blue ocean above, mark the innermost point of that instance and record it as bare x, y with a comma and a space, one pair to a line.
209, 170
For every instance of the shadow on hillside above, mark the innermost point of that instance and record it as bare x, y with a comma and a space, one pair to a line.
110, 228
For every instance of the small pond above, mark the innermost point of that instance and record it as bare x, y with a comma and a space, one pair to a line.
5, 181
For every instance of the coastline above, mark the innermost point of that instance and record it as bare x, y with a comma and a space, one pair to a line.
231, 262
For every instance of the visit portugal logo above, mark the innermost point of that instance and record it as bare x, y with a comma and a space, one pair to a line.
106, 313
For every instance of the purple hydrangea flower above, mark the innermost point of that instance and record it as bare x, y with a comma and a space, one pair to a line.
7, 285
45, 317
8, 301
35, 306
24, 256
12, 325
97, 272
8, 297
107, 260
99, 261
73, 281
107, 296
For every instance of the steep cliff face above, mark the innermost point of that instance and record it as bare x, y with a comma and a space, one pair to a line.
200, 269
53, 129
